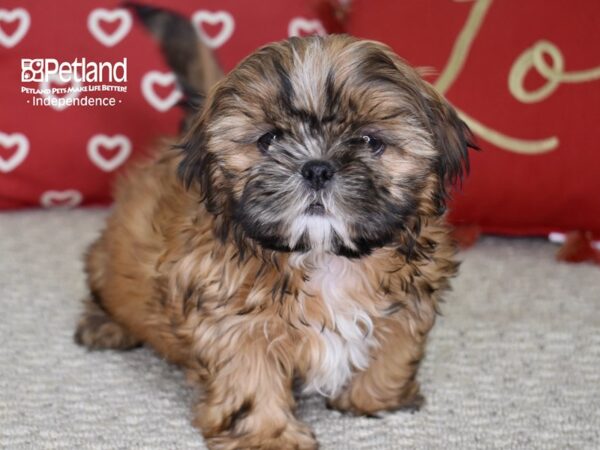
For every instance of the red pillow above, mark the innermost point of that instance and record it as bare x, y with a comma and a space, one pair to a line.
66, 156
529, 87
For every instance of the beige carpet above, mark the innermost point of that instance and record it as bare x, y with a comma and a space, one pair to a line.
514, 362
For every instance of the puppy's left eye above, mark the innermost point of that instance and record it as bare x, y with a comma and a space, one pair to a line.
266, 140
376, 145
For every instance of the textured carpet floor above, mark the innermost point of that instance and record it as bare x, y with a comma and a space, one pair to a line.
513, 363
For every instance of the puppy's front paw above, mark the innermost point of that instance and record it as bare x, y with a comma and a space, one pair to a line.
294, 436
97, 330
358, 402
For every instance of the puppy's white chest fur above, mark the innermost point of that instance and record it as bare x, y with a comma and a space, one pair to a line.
345, 346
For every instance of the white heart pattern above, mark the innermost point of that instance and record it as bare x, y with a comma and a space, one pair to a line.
214, 18
117, 143
108, 15
164, 79
9, 140
299, 26
61, 199
46, 85
19, 33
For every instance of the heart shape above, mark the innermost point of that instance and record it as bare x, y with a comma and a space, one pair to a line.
222, 18
61, 199
55, 78
299, 26
15, 37
107, 15
10, 140
163, 79
117, 143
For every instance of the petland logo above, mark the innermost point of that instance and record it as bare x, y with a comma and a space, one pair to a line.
42, 70
61, 85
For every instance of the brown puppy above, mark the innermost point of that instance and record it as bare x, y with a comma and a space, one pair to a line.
296, 234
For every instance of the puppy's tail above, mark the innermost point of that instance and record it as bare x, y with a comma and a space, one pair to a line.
193, 63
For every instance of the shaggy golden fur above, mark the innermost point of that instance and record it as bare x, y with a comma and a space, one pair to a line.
225, 257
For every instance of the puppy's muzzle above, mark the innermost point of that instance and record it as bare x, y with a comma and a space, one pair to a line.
317, 173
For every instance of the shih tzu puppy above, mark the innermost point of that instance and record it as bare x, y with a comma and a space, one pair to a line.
294, 236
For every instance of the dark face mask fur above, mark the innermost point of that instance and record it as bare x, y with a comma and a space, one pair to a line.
295, 236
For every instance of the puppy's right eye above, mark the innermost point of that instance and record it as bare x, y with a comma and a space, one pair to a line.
265, 141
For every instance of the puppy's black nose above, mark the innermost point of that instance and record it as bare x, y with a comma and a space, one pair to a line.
317, 173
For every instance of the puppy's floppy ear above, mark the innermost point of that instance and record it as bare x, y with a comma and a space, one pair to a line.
452, 138
192, 61
199, 166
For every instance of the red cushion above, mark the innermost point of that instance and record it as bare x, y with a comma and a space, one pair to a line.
553, 186
70, 156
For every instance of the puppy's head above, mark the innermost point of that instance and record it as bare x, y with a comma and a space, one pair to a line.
330, 144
